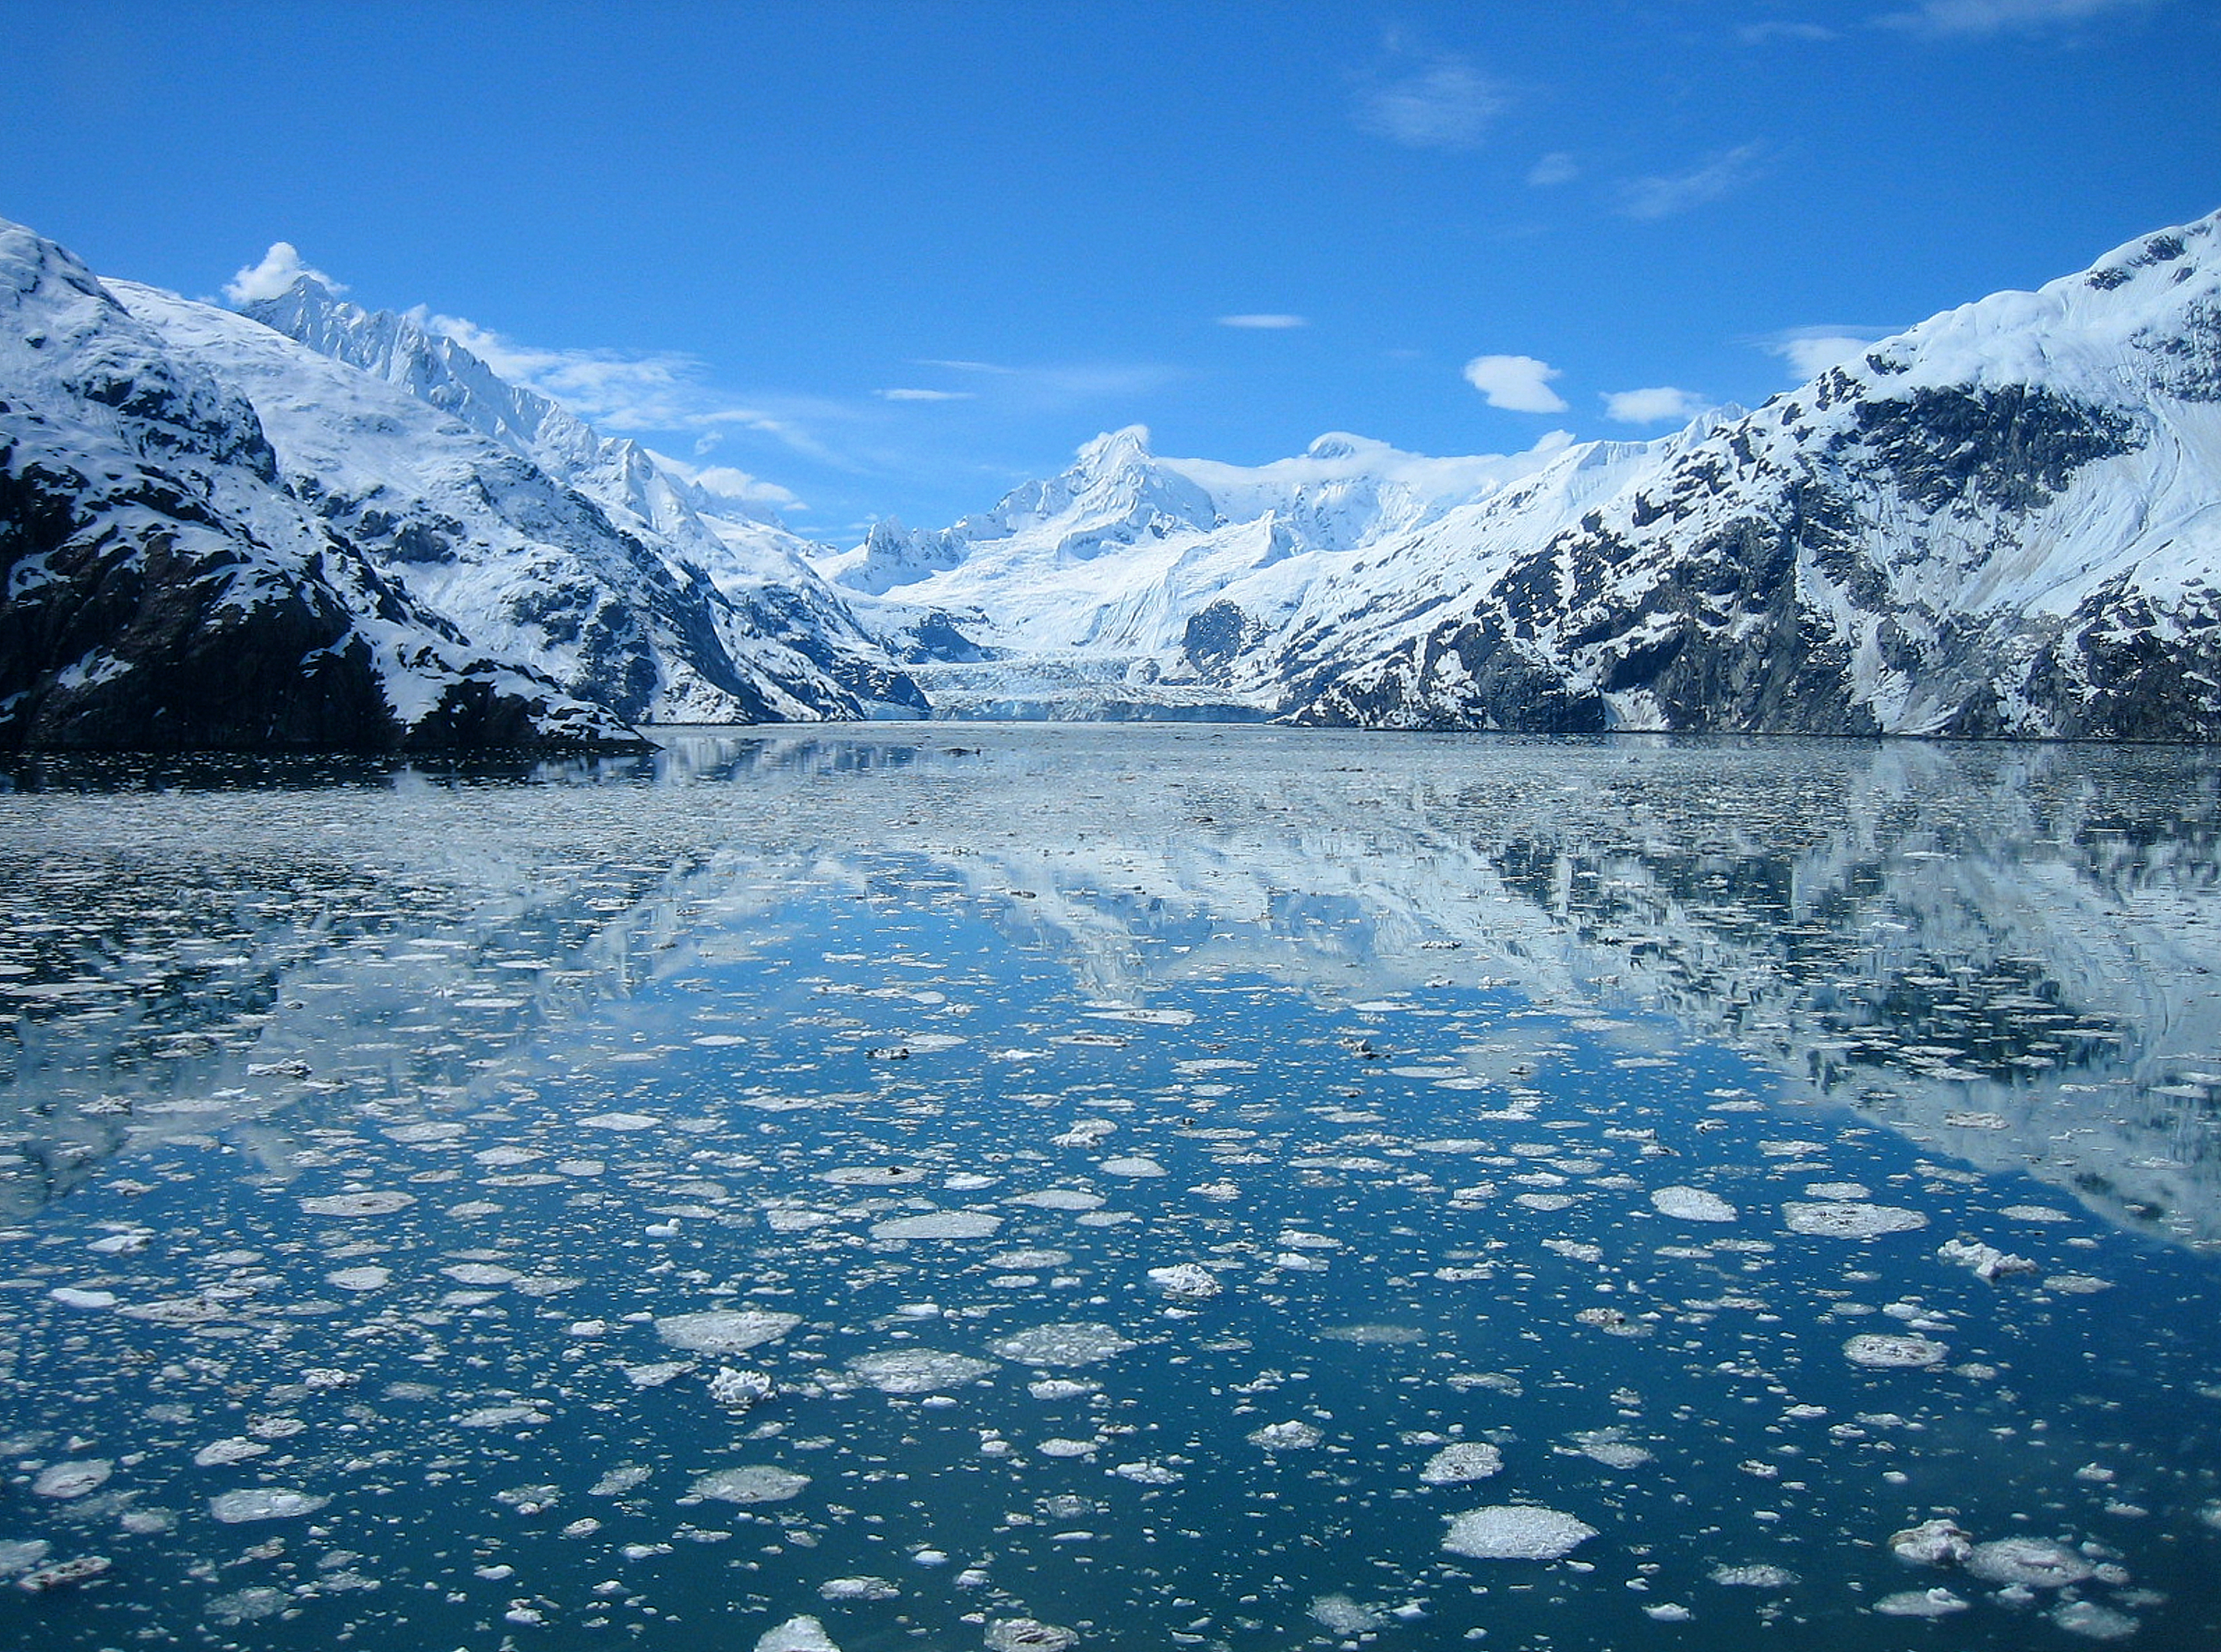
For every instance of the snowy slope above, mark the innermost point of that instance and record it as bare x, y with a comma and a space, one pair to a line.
785, 638
1120, 587
165, 590
2004, 521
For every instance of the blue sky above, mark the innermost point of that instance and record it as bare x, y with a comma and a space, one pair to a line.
889, 259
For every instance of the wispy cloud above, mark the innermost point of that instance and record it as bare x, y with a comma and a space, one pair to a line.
1520, 383
1553, 169
728, 485
1981, 18
907, 395
1443, 102
1760, 33
1264, 323
1668, 195
1653, 406
1810, 350
280, 268
627, 392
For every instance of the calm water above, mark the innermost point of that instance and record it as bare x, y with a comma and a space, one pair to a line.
1179, 1186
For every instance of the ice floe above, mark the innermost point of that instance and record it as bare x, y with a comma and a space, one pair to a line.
1076, 1343
919, 1370
725, 1331
751, 1483
264, 1503
1516, 1532
1461, 1463
1850, 1219
1691, 1205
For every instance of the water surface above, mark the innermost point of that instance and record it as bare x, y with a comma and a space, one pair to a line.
1178, 1185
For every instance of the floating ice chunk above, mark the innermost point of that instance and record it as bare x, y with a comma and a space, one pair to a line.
619, 1480
739, 1389
20, 1555
2033, 1562
1605, 1445
1059, 1198
725, 1331
264, 1503
1691, 1205
1460, 1464
1753, 1577
1295, 1238
358, 1203
1850, 1219
235, 1449
73, 1479
1341, 1615
1883, 1350
2035, 1214
1932, 1543
1669, 1612
1069, 1448
481, 1273
70, 1296
940, 1224
874, 1175
1081, 1344
1838, 1192
2093, 1621
1291, 1435
654, 1375
1145, 1472
1516, 1532
1186, 1279
620, 1121
2065, 1284
755, 1483
361, 1279
800, 1634
857, 1588
63, 1573
1987, 1260
1133, 1165
1028, 1635
919, 1370
1920, 1603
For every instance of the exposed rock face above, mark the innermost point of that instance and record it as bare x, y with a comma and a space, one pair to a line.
163, 591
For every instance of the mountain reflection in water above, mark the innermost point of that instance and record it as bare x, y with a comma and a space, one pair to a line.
2003, 951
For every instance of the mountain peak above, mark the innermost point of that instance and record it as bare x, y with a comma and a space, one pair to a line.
1113, 450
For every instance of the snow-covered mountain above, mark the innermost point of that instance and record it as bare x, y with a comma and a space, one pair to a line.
162, 588
741, 610
2006, 520
1119, 586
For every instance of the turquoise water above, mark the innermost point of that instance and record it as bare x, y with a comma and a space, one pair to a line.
1173, 1182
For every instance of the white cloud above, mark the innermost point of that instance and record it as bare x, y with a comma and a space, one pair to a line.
1264, 323
1810, 350
626, 392
726, 484
1554, 168
280, 268
1653, 406
1667, 195
1985, 17
1520, 383
1446, 103
904, 395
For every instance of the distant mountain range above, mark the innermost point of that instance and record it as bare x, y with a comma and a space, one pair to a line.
312, 525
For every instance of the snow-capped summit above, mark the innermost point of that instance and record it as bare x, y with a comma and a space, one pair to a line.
165, 589
748, 616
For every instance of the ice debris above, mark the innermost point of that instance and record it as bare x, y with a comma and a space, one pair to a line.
1883, 1350
1987, 1260
1850, 1219
919, 1370
1691, 1205
725, 1331
1462, 1463
755, 1483
800, 1634
1516, 1532
264, 1503
1081, 1344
